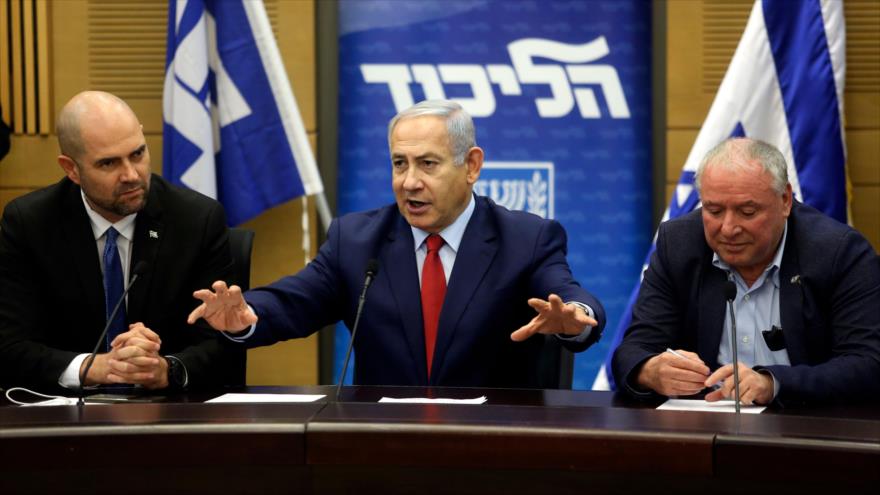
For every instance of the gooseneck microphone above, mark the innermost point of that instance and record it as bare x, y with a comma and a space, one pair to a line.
139, 269
372, 269
730, 295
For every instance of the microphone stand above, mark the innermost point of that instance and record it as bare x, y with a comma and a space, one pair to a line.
730, 293
140, 268
372, 268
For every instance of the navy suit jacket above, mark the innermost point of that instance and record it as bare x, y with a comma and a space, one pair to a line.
505, 258
829, 306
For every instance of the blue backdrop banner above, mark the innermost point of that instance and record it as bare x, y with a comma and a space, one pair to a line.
560, 95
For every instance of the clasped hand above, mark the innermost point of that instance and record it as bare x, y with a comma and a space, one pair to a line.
133, 359
554, 316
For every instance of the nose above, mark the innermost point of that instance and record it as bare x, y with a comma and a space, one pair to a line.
729, 225
412, 181
128, 172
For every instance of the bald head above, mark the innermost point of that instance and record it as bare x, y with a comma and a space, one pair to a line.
85, 108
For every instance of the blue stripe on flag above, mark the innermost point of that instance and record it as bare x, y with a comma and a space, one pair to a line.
806, 78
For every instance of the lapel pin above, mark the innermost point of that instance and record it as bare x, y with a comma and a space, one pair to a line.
155, 235
796, 279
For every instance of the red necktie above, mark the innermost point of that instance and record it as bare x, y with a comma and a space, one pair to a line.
433, 292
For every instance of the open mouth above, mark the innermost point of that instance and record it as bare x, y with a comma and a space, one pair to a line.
416, 206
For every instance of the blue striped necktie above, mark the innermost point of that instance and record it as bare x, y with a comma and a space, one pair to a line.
114, 285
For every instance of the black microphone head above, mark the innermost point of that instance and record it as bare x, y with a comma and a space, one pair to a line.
730, 290
140, 268
372, 267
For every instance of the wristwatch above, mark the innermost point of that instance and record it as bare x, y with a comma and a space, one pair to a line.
177, 376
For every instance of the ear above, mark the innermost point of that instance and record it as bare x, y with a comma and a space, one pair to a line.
787, 200
474, 163
69, 167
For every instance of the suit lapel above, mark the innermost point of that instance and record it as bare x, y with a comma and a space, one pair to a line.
712, 309
791, 300
475, 253
148, 235
83, 251
399, 261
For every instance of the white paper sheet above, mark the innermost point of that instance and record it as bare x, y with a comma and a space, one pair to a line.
725, 406
422, 400
266, 398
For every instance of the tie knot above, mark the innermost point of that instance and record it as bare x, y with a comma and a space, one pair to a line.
112, 234
434, 242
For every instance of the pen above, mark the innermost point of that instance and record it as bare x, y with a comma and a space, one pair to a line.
669, 350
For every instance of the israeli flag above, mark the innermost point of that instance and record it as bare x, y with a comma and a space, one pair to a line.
783, 86
232, 129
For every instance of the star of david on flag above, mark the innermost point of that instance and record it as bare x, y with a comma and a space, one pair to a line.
784, 86
232, 129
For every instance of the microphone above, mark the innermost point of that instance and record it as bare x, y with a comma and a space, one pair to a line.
139, 269
730, 295
372, 268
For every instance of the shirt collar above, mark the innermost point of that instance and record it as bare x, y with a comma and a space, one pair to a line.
453, 233
125, 226
774, 265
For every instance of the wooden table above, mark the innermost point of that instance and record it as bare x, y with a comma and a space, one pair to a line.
520, 441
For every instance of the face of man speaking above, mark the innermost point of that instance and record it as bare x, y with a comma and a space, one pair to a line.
114, 168
743, 216
430, 189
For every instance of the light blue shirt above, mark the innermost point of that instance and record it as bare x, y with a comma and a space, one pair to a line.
757, 309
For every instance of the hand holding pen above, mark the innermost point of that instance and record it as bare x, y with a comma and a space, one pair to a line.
674, 373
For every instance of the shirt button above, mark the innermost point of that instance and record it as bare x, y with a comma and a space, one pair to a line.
745, 340
746, 297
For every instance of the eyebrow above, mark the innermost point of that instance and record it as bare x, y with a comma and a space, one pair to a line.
423, 156
115, 157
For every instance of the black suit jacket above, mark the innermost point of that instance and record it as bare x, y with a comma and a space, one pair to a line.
505, 257
829, 307
52, 296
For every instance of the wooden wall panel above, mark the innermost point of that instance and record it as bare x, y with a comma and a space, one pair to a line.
701, 38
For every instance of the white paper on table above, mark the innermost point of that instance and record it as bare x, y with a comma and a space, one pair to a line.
725, 406
423, 400
266, 398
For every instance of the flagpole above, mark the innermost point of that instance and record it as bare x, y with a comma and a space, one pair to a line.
323, 210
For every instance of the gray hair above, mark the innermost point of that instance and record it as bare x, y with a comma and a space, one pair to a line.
459, 125
736, 153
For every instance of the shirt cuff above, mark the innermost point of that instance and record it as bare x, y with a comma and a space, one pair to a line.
585, 333
70, 376
775, 382
241, 337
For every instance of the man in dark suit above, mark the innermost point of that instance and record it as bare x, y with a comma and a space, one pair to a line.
500, 267
53, 245
808, 294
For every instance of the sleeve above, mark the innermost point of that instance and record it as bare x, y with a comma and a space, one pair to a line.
656, 316
25, 360
552, 275
851, 329
298, 305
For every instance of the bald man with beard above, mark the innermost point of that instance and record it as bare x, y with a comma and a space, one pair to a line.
53, 252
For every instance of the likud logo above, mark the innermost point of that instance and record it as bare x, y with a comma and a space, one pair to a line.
526, 186
571, 83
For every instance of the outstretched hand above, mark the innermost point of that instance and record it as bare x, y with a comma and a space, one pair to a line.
554, 316
223, 308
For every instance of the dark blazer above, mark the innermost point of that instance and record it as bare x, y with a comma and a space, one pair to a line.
52, 296
829, 300
504, 259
